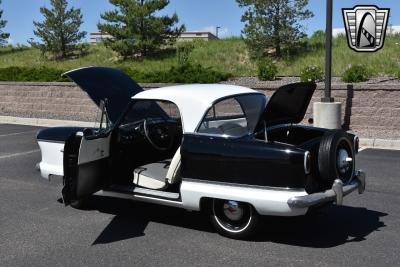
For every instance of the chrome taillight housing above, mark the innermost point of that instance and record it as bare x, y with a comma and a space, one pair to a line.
307, 162
356, 143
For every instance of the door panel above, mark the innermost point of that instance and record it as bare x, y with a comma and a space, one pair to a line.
85, 166
93, 150
242, 161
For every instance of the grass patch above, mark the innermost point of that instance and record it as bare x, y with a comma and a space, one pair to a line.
383, 62
228, 56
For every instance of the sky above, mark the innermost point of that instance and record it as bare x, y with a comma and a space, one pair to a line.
195, 14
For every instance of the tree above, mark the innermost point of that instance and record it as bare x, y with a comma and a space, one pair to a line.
136, 29
59, 31
273, 23
3, 35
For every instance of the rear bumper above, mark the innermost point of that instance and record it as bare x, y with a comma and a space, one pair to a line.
336, 194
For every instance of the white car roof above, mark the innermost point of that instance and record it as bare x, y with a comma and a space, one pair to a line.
193, 100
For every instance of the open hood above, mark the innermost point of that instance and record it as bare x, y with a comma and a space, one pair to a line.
288, 105
102, 83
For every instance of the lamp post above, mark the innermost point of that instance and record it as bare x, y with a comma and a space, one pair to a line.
328, 53
217, 30
327, 113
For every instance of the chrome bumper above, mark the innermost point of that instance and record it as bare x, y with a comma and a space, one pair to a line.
335, 194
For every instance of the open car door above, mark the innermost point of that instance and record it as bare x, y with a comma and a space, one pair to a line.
85, 165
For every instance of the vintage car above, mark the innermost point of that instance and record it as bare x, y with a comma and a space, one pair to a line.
225, 149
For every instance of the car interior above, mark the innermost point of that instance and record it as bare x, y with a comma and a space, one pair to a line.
146, 145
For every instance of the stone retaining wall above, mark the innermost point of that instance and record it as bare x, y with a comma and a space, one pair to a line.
371, 110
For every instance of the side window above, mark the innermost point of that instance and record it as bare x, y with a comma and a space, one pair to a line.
228, 108
225, 118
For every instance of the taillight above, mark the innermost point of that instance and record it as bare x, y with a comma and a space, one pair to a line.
356, 143
307, 162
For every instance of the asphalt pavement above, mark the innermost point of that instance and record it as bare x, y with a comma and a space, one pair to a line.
37, 230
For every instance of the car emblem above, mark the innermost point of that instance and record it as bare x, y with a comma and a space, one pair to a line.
366, 27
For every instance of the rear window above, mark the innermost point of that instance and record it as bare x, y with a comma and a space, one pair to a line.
233, 117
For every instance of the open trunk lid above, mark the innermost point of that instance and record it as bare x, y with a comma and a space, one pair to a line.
288, 105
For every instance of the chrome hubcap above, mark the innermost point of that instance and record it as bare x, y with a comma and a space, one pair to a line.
233, 211
343, 161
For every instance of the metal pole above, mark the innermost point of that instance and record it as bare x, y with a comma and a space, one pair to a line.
217, 30
328, 57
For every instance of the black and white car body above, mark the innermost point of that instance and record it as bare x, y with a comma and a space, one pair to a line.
223, 148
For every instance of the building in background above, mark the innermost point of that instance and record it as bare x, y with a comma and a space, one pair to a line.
391, 30
190, 36
97, 37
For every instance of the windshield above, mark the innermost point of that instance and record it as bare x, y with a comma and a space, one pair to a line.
151, 109
234, 117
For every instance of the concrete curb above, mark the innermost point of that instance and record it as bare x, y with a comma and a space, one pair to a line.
379, 143
364, 142
43, 122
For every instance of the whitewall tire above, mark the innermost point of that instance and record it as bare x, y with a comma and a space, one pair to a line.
234, 219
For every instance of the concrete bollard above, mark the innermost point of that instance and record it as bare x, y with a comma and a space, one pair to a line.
328, 115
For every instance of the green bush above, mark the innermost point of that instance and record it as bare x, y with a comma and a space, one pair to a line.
398, 74
187, 73
355, 74
30, 74
182, 74
311, 74
267, 70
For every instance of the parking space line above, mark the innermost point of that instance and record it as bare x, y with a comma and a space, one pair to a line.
11, 134
19, 154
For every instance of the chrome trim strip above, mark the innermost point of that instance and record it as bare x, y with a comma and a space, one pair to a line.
244, 185
153, 200
144, 192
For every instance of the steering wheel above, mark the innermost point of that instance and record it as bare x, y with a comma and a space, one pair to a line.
158, 134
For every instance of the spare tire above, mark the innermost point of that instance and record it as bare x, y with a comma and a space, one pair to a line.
336, 157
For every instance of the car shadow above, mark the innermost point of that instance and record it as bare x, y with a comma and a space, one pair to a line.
131, 218
327, 227
323, 228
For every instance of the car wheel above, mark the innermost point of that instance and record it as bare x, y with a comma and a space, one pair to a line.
234, 219
336, 158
